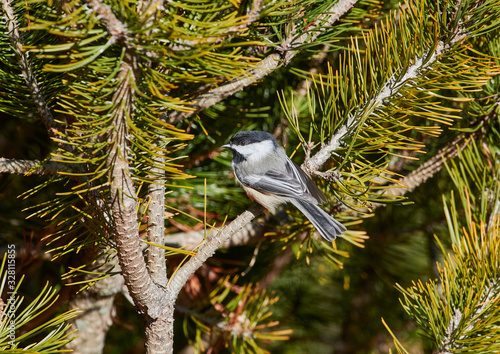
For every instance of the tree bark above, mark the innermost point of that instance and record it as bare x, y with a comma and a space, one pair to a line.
160, 332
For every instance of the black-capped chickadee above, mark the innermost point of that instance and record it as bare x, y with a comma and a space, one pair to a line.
268, 176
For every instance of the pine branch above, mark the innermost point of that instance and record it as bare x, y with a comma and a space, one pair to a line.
285, 53
389, 89
23, 167
292, 44
189, 240
213, 242
53, 128
459, 311
148, 296
156, 225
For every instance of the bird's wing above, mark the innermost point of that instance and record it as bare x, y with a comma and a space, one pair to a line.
295, 183
311, 187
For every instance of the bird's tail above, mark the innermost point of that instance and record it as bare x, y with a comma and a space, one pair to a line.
326, 225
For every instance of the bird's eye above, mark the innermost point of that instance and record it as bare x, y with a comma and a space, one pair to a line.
243, 143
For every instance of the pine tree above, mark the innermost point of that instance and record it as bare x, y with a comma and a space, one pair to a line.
137, 98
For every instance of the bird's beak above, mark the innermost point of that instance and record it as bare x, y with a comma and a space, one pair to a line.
226, 146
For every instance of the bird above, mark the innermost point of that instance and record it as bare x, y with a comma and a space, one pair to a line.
268, 176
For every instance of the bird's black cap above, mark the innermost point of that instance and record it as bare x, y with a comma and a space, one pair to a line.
251, 136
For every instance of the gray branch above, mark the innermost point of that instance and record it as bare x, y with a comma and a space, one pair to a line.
156, 224
390, 88
27, 167
148, 297
285, 52
213, 242
190, 240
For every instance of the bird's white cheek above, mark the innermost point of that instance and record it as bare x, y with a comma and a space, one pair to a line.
256, 152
